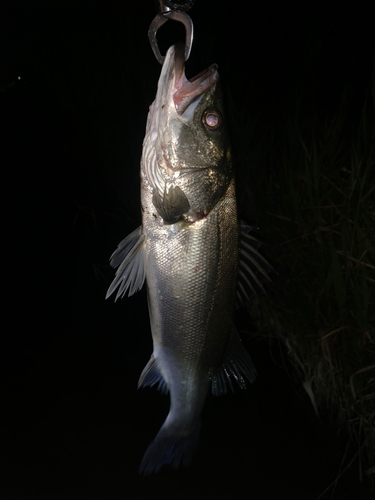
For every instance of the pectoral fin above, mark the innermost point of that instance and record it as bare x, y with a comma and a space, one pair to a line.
130, 258
237, 364
172, 205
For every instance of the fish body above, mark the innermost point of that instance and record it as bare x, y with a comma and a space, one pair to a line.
188, 250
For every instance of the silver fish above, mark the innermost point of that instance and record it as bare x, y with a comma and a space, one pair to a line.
188, 250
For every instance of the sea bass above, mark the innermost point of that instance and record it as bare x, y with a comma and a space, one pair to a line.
188, 250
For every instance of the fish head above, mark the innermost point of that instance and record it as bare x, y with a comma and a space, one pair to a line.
188, 136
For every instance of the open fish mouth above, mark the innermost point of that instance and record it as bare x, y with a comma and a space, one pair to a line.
187, 91
173, 110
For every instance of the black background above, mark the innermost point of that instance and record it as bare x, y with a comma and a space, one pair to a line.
74, 425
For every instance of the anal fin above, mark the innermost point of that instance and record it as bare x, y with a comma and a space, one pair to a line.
151, 375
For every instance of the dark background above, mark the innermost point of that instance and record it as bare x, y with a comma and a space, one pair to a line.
74, 425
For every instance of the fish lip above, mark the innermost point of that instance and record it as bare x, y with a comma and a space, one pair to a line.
172, 107
187, 91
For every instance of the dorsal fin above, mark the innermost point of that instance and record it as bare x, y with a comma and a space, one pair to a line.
237, 364
253, 268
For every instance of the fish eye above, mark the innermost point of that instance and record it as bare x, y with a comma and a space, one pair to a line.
212, 119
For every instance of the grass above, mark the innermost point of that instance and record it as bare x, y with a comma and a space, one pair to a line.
311, 191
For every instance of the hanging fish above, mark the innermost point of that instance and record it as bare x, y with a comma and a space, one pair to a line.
188, 250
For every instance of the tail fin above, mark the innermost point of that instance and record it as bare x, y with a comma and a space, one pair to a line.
170, 447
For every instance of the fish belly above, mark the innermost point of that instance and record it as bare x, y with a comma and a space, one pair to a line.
191, 277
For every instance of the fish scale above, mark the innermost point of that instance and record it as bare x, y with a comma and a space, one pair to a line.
187, 251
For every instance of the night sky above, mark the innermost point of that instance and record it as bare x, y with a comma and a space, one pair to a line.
76, 80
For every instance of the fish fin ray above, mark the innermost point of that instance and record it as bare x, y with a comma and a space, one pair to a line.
172, 205
237, 365
170, 447
253, 268
246, 236
129, 257
124, 247
151, 376
257, 259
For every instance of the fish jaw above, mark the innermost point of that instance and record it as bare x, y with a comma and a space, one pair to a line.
174, 125
191, 236
187, 91
175, 92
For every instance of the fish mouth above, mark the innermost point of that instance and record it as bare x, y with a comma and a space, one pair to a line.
185, 91
175, 103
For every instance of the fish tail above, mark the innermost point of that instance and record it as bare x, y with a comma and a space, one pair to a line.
171, 446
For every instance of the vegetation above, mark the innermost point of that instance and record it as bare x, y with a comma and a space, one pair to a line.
311, 191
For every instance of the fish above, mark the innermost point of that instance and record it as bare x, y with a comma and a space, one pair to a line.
194, 255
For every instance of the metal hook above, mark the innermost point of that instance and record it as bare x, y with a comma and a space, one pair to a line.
162, 18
